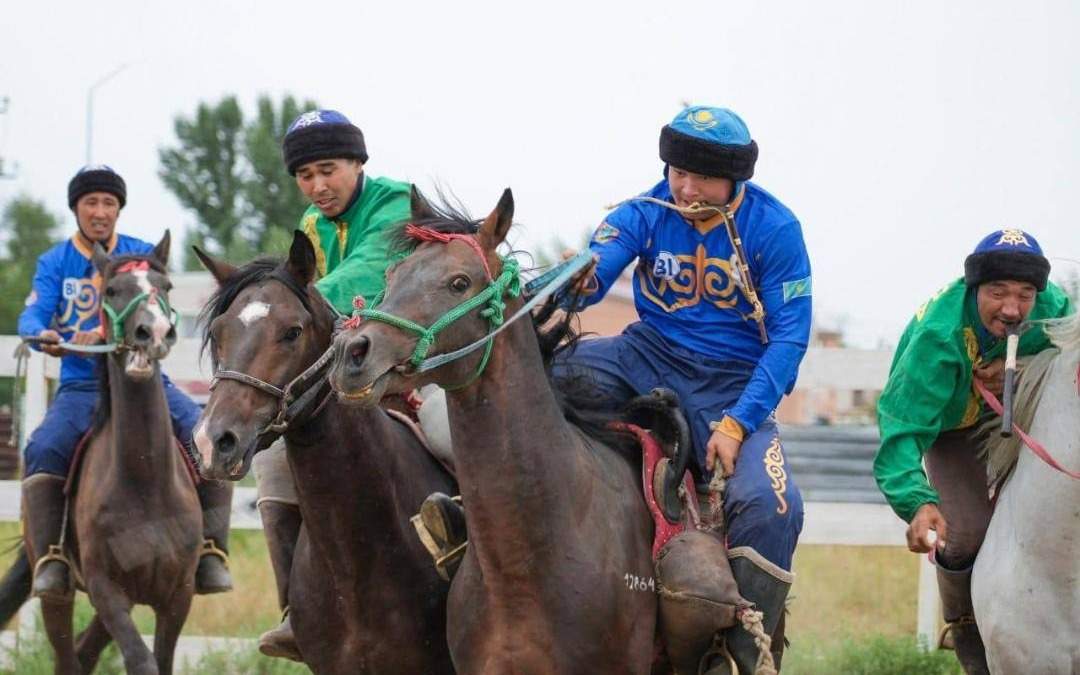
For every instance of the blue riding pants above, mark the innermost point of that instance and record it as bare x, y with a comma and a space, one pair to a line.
52, 445
763, 507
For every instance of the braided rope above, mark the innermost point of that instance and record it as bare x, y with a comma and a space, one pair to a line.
751, 622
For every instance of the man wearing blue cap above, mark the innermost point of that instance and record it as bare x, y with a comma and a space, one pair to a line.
348, 222
64, 305
929, 410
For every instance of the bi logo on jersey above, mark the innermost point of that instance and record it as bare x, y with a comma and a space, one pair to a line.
666, 266
679, 281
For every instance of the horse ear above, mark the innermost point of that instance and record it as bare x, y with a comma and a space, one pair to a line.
219, 269
100, 258
419, 206
301, 263
161, 251
494, 228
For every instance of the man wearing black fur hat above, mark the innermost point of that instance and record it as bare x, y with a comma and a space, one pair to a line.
64, 305
929, 410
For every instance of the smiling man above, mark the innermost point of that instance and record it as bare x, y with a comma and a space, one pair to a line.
929, 410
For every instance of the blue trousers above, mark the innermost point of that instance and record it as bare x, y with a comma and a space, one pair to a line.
763, 507
52, 445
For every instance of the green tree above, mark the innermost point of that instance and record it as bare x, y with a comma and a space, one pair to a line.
229, 173
28, 229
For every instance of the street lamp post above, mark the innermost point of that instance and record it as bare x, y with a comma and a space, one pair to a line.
90, 108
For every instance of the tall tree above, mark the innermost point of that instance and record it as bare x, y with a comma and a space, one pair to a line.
28, 228
228, 171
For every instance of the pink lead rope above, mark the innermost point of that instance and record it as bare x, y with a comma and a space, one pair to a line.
1035, 446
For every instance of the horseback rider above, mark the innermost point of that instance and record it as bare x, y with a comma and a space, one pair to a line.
347, 222
64, 306
728, 351
929, 412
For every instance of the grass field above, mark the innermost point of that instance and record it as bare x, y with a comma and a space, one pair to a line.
853, 611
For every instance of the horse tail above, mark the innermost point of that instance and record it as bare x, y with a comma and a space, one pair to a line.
15, 586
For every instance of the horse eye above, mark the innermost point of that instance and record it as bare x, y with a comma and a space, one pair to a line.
460, 283
110, 291
293, 333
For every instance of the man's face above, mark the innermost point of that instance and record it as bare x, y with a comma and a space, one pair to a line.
688, 188
97, 213
1004, 303
329, 183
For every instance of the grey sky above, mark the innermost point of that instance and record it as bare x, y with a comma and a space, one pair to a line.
899, 133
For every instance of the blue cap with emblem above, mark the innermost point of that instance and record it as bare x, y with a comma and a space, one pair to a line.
322, 134
709, 141
1007, 255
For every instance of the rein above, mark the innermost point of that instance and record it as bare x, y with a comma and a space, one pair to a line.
1034, 445
507, 284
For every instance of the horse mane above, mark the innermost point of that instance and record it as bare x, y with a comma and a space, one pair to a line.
103, 411
256, 271
1000, 453
582, 402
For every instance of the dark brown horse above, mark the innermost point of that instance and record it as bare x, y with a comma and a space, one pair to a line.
137, 525
556, 521
364, 596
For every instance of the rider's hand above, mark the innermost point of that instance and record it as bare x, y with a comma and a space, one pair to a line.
927, 518
85, 337
581, 281
51, 349
992, 375
723, 448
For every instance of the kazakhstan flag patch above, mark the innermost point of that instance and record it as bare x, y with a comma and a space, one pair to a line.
799, 288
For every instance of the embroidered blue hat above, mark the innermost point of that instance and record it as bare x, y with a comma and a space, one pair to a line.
322, 134
1007, 255
709, 141
96, 178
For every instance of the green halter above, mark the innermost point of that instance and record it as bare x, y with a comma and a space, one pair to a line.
117, 319
508, 284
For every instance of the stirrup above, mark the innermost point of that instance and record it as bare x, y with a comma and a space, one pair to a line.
209, 547
718, 650
440, 558
56, 553
945, 637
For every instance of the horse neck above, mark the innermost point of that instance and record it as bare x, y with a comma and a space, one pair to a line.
140, 427
513, 449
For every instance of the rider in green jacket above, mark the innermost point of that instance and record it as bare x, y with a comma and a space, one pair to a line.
929, 410
350, 217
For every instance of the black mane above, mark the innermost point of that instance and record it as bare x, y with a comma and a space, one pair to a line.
256, 271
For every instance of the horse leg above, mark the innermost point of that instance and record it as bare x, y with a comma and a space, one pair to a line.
90, 643
58, 626
114, 609
170, 619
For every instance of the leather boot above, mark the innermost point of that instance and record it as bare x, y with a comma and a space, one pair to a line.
281, 524
441, 527
43, 508
955, 589
767, 586
212, 574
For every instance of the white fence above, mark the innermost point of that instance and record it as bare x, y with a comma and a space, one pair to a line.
826, 523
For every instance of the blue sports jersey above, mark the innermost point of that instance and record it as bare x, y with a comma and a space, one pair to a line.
65, 296
686, 286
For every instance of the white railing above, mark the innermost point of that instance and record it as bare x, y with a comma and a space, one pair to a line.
826, 523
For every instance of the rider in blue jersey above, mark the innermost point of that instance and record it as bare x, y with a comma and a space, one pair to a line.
722, 288
64, 305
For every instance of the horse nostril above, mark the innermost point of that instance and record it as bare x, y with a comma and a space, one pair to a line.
358, 350
225, 443
170, 337
142, 334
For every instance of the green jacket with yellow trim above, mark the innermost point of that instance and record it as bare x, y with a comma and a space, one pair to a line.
930, 385
353, 250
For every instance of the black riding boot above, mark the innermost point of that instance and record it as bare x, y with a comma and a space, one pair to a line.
281, 524
43, 508
441, 527
212, 574
767, 586
955, 589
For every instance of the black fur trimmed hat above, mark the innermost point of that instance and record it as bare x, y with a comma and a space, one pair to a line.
322, 134
96, 178
711, 142
1007, 255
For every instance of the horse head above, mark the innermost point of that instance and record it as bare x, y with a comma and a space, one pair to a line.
448, 293
135, 307
264, 326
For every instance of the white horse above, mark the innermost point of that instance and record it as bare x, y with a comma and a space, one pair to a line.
1026, 583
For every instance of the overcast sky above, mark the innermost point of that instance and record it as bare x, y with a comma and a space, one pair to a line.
899, 133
